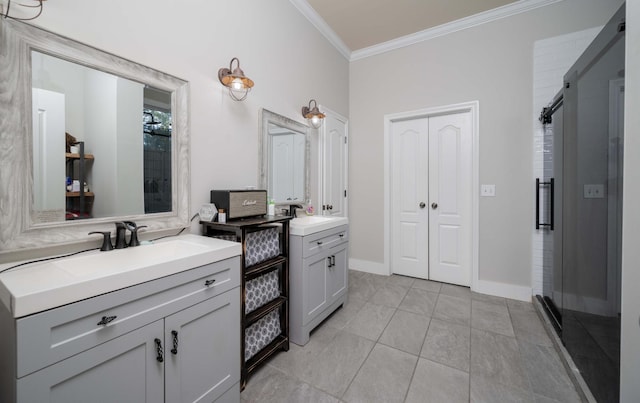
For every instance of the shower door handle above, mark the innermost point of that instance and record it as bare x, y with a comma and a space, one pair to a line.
539, 184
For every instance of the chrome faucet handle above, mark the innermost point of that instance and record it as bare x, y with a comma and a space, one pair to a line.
106, 241
134, 235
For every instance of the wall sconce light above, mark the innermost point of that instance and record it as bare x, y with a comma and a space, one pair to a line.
313, 115
239, 85
5, 14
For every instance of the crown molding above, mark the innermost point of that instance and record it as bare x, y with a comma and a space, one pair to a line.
508, 10
321, 25
450, 27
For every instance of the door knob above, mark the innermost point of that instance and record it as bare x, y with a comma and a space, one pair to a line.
422, 205
434, 205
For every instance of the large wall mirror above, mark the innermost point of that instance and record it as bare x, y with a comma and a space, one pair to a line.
284, 154
88, 138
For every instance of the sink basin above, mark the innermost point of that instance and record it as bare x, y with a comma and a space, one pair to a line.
40, 286
308, 225
130, 259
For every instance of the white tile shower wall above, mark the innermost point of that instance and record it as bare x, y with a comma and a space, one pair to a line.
552, 57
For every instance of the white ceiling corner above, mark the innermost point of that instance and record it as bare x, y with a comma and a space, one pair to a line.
324, 28
407, 40
450, 27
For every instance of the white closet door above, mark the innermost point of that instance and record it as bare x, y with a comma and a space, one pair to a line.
431, 186
450, 204
410, 192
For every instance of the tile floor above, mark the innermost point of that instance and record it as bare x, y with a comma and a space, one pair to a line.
400, 339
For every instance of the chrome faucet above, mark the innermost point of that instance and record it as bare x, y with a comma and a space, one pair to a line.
121, 235
292, 209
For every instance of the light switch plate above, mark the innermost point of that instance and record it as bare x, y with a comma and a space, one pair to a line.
487, 190
594, 191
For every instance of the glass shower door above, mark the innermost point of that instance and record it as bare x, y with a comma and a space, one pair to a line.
592, 210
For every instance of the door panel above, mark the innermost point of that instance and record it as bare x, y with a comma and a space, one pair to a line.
449, 247
335, 166
123, 369
338, 274
48, 158
315, 288
409, 234
450, 156
200, 366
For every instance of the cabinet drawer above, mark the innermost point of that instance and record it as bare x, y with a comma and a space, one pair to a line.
322, 241
50, 336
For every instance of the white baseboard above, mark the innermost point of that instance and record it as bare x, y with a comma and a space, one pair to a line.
368, 267
482, 286
503, 290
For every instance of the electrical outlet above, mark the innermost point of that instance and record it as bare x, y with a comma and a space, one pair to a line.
488, 190
594, 191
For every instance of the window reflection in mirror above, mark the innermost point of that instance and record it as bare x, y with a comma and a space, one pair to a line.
157, 151
126, 164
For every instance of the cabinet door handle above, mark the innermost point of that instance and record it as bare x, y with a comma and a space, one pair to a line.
333, 260
329, 259
106, 320
319, 242
209, 282
159, 351
341, 235
174, 350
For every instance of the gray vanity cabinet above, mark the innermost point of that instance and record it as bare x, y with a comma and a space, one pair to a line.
174, 339
319, 279
121, 370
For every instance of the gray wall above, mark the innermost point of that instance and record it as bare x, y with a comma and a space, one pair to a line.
491, 63
289, 60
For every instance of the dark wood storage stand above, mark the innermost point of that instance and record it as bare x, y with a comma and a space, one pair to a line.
81, 201
240, 228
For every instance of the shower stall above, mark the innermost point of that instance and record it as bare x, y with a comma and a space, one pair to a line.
579, 210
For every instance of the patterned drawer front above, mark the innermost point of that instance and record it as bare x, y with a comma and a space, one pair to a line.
261, 333
261, 290
261, 245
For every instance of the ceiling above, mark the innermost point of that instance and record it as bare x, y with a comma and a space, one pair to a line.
364, 23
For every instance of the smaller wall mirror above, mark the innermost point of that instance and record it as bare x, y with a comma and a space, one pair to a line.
284, 155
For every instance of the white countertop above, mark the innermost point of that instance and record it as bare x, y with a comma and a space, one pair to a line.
307, 225
40, 286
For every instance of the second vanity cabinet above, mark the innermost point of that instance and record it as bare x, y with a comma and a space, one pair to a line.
174, 339
319, 279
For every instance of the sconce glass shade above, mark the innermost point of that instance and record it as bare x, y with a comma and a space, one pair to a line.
239, 85
313, 115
